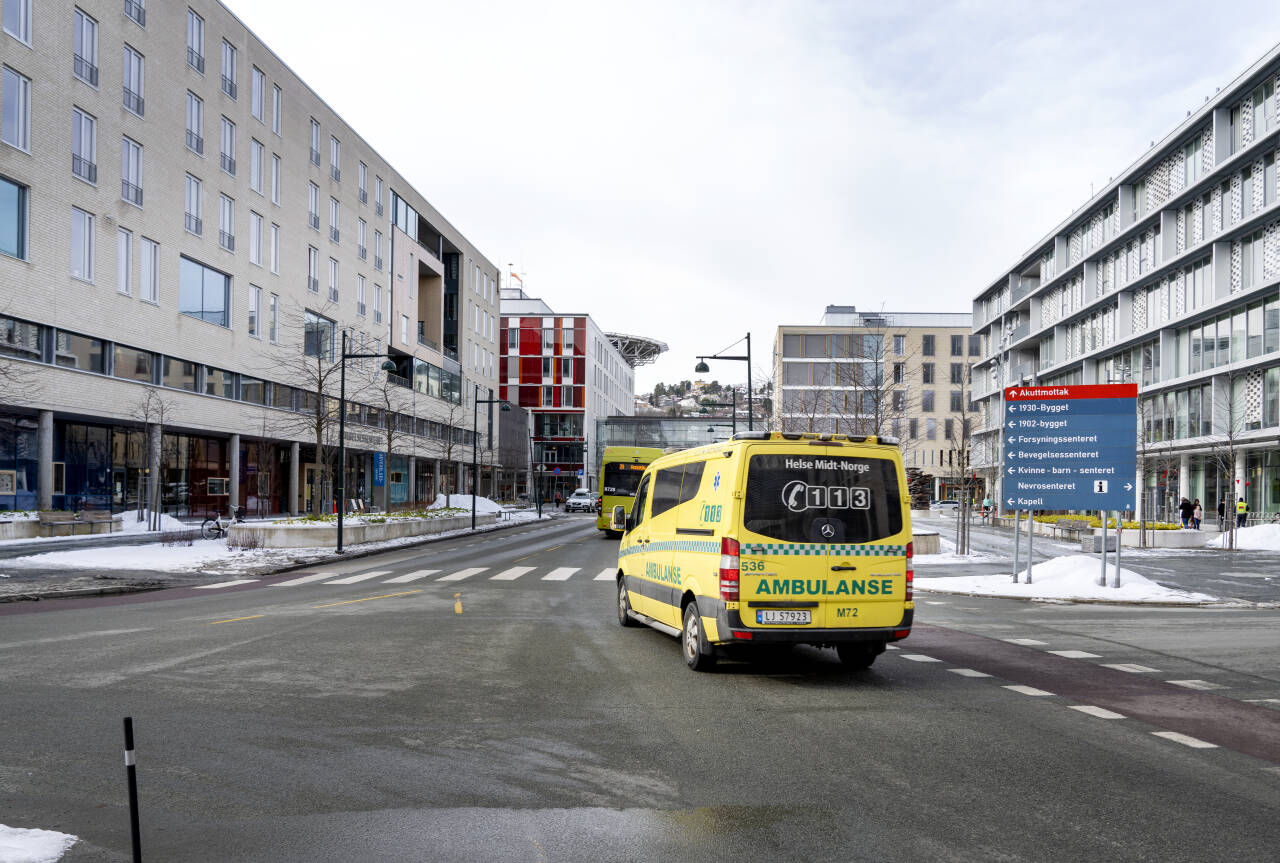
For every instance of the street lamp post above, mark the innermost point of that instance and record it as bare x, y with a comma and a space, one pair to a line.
703, 368
476, 401
734, 404
387, 366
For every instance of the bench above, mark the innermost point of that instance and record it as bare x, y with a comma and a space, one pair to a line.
52, 521
1072, 526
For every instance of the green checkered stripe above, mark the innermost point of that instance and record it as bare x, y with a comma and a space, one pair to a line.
804, 549
702, 545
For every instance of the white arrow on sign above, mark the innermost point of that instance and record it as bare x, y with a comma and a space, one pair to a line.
1010, 425
1128, 486
1012, 393
1009, 501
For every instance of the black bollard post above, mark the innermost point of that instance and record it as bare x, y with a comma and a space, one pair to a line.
131, 769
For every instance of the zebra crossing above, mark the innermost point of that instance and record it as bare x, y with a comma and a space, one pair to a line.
474, 573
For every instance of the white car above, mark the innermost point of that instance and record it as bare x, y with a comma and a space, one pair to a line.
944, 505
582, 500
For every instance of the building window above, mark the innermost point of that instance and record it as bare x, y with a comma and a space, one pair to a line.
957, 403
277, 108
81, 244
926, 345
226, 223
194, 196
273, 317
931, 429
275, 179
333, 280
926, 401
899, 346
360, 299
957, 346
17, 19
899, 373
313, 206
313, 269
360, 238
258, 94
377, 195
228, 68
957, 373
377, 304
124, 261
926, 373
133, 79
377, 250
948, 429
74, 351
204, 293
132, 364
899, 400
975, 346
84, 146
255, 310
275, 248
84, 49
315, 142
228, 161
255, 238
131, 171
335, 158
137, 10
195, 123
318, 336
404, 329
148, 270
15, 113
362, 176
257, 155
334, 213
195, 41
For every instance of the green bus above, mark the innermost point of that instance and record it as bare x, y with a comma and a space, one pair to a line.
620, 470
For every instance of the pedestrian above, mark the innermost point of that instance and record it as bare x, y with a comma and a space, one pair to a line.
1184, 512
986, 507
1222, 514
1197, 514
1242, 512
557, 500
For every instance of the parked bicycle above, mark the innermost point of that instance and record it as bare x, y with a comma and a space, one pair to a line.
216, 527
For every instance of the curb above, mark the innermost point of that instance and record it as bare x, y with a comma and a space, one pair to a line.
1225, 603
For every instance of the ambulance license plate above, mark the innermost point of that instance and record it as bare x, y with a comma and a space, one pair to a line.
782, 615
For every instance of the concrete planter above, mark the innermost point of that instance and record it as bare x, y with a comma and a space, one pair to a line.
926, 542
1155, 538
31, 529
20, 529
276, 535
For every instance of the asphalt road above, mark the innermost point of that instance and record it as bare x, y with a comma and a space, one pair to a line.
502, 714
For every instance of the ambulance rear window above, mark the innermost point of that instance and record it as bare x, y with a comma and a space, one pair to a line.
820, 498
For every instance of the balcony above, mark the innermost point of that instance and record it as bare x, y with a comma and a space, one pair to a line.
335, 172
228, 86
333, 234
85, 70
422, 338
315, 157
1023, 371
333, 293
1019, 332
131, 193
377, 262
313, 284
227, 241
361, 309
195, 143
136, 11
84, 169
364, 196
399, 380
194, 224
378, 208
228, 164
313, 219
362, 252
195, 60
1025, 287
134, 102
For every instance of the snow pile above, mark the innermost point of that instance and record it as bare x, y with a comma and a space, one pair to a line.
1070, 577
948, 555
22, 845
153, 557
130, 523
1260, 537
463, 501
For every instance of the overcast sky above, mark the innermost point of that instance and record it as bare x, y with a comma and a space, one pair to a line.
689, 171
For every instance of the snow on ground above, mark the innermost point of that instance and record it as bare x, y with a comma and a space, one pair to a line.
1260, 537
463, 501
1071, 577
948, 555
129, 524
23, 845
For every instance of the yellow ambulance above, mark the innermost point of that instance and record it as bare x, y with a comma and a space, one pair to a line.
771, 538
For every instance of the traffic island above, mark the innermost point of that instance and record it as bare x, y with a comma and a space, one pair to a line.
323, 533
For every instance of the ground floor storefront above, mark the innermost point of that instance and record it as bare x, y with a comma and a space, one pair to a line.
1251, 474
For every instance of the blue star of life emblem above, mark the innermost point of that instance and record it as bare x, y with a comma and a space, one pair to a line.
716, 483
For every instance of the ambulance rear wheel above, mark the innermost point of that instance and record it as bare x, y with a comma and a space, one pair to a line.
857, 657
624, 603
693, 642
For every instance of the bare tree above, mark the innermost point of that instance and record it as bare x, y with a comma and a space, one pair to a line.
153, 411
1229, 423
958, 431
393, 402
449, 442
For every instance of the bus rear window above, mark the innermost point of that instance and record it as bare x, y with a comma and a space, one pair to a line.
819, 498
622, 479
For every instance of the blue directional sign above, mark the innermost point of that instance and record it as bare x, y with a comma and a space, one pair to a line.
379, 469
1070, 447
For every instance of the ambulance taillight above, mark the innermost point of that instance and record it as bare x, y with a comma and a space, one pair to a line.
728, 569
911, 574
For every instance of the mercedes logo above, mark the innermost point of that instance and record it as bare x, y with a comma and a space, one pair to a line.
828, 531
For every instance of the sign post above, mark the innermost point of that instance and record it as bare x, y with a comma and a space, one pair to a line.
1070, 447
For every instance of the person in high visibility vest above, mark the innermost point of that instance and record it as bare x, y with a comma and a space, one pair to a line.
1242, 512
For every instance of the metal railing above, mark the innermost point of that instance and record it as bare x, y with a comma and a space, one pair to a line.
378, 208
398, 380
228, 164
134, 102
335, 172
136, 11
377, 262
131, 193
195, 143
195, 60
228, 86
227, 241
333, 234
84, 169
315, 157
86, 70
314, 220
194, 224
313, 285
362, 252
361, 309
364, 196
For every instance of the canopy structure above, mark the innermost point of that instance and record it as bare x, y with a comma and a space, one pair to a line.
637, 350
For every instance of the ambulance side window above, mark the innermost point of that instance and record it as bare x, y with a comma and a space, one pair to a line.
637, 509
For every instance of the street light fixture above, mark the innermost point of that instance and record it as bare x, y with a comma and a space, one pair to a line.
702, 368
476, 401
387, 366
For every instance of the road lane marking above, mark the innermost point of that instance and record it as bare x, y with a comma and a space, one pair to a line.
225, 584
1028, 690
463, 573
512, 574
1130, 667
968, 672
411, 576
304, 579
367, 598
73, 637
1250, 700
919, 657
1185, 740
606, 575
1075, 654
1201, 685
1025, 642
364, 576
561, 573
1100, 712
234, 619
